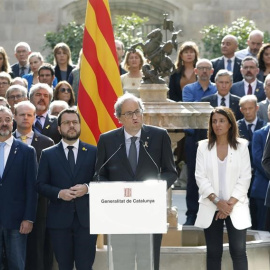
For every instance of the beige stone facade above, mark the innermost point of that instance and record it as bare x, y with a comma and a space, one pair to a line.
29, 20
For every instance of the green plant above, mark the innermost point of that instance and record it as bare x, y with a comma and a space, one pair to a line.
71, 34
128, 29
212, 35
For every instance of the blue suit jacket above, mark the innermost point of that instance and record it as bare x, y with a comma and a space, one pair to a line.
238, 89
234, 103
16, 70
218, 63
18, 197
260, 182
54, 174
243, 131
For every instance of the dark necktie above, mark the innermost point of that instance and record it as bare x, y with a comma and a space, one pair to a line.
250, 132
249, 90
38, 125
132, 155
22, 71
222, 103
229, 65
71, 158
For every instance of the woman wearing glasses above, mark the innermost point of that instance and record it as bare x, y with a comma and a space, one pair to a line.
223, 174
64, 91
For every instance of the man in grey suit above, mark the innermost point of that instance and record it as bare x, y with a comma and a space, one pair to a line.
223, 97
228, 61
249, 85
263, 105
153, 157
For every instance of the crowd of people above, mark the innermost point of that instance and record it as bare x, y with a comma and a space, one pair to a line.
42, 99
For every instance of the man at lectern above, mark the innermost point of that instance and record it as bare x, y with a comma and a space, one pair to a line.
135, 152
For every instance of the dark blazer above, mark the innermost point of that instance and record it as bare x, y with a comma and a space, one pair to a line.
54, 174
266, 167
39, 142
243, 132
234, 103
260, 182
218, 63
16, 70
121, 70
175, 91
58, 72
18, 197
50, 128
238, 89
158, 145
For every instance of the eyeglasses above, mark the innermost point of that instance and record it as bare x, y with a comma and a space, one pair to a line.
67, 123
4, 83
64, 90
15, 97
129, 115
204, 68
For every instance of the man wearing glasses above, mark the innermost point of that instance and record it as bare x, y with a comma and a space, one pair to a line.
65, 171
41, 95
135, 152
249, 85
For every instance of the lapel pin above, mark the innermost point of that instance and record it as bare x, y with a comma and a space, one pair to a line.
48, 127
36, 139
15, 150
257, 90
84, 149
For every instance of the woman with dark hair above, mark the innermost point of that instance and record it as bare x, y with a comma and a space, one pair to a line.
264, 61
64, 91
187, 58
62, 61
223, 174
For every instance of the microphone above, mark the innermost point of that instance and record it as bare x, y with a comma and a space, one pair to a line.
102, 166
143, 145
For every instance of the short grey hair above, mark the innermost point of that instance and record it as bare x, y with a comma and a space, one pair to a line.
120, 101
248, 98
224, 72
16, 87
23, 103
204, 60
7, 110
39, 86
61, 103
250, 58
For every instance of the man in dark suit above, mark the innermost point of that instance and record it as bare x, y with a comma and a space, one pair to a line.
18, 197
247, 125
249, 85
120, 51
223, 97
151, 146
228, 61
263, 105
65, 171
39, 254
41, 95
22, 51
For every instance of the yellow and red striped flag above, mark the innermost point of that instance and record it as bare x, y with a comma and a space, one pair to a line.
100, 83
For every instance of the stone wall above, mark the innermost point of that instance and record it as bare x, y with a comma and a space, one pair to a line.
29, 20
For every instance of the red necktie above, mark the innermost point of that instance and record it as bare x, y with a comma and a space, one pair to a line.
249, 90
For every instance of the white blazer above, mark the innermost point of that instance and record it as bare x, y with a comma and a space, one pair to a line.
238, 176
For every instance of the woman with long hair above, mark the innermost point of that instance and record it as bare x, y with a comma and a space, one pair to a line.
223, 174
4, 63
264, 61
64, 91
187, 58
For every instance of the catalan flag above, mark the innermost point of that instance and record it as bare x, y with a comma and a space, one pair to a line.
100, 83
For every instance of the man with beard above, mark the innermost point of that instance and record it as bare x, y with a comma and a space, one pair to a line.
65, 171
249, 85
41, 95
18, 197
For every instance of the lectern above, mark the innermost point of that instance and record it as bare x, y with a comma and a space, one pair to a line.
129, 213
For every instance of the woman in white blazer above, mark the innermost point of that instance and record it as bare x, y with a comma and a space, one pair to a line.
223, 174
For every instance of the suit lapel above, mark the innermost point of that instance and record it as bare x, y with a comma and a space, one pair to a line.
82, 154
61, 157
